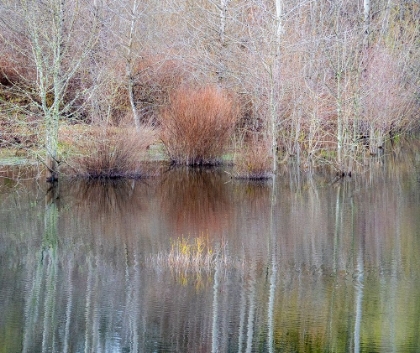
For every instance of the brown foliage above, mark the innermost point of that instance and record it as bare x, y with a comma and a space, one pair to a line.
155, 79
197, 125
8, 73
15, 75
19, 91
254, 162
15, 66
19, 131
390, 96
111, 153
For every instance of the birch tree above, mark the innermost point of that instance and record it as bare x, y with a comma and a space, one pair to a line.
275, 85
365, 63
261, 70
126, 36
129, 62
52, 30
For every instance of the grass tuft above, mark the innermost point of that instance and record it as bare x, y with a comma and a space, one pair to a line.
191, 255
110, 154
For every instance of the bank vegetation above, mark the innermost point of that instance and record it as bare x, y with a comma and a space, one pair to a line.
90, 89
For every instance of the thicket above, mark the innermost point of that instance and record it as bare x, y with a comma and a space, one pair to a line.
197, 125
253, 161
323, 82
109, 153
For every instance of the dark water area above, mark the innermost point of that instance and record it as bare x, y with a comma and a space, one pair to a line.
302, 265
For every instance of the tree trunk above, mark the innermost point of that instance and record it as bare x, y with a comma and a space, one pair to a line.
129, 65
275, 85
52, 113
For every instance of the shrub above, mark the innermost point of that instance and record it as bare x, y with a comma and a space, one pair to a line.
197, 124
254, 162
112, 153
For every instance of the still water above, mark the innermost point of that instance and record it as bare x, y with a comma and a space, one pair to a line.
304, 265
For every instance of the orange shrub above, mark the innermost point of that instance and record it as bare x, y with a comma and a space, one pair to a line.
197, 125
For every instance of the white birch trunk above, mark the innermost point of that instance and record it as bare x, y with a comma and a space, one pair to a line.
340, 134
366, 20
129, 65
275, 85
48, 69
366, 35
221, 70
53, 114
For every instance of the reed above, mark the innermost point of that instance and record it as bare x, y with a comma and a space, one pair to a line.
191, 255
197, 125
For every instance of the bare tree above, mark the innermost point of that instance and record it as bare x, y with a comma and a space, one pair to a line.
51, 29
126, 36
275, 85
129, 62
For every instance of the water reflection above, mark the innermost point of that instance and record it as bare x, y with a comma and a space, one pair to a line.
310, 266
196, 201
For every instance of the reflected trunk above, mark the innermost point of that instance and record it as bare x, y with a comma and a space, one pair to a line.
307, 266
215, 314
273, 276
42, 298
359, 286
251, 309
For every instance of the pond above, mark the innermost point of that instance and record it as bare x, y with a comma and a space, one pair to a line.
193, 261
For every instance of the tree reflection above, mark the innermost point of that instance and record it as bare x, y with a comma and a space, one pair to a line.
215, 315
41, 303
274, 260
314, 269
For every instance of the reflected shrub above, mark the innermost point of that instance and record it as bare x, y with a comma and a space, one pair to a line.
196, 198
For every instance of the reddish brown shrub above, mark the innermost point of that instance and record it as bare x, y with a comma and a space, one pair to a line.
197, 125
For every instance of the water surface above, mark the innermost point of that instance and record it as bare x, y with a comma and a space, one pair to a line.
304, 265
